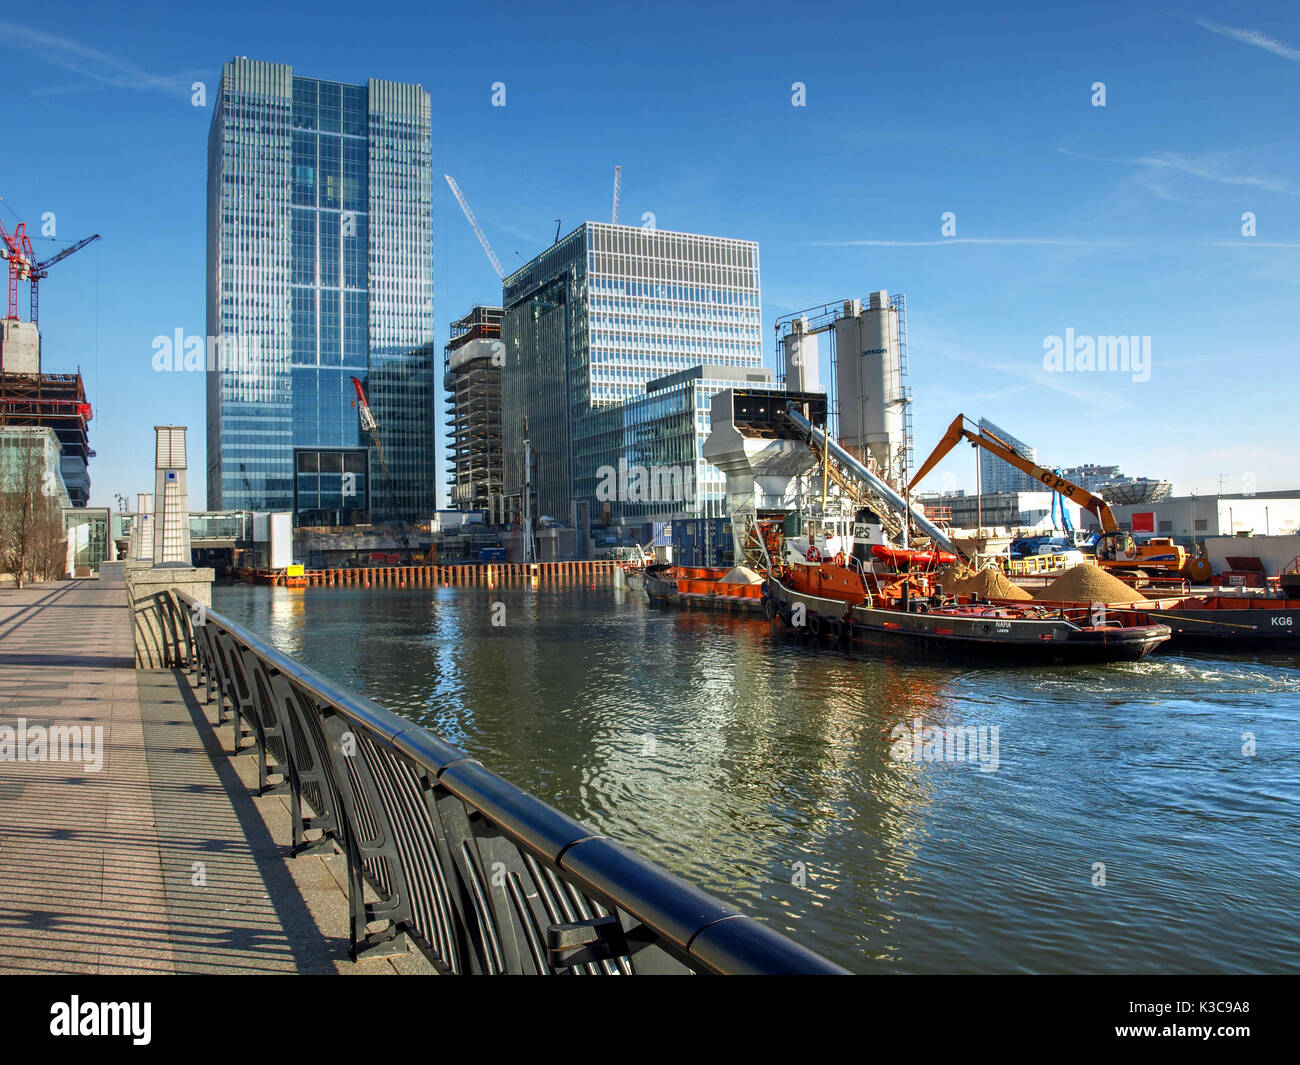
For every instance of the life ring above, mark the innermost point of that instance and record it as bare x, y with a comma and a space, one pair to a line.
813, 554
839, 559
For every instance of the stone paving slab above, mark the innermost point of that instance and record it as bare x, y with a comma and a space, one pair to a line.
164, 860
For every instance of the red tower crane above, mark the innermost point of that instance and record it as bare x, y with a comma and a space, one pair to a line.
17, 251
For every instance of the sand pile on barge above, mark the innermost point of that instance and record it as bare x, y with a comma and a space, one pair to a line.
990, 583
1088, 584
950, 580
741, 575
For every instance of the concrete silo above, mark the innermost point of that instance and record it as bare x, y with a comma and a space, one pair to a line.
801, 356
869, 383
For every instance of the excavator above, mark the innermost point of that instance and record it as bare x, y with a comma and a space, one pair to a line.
1116, 549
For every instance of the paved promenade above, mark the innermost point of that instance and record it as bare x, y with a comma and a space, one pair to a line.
163, 860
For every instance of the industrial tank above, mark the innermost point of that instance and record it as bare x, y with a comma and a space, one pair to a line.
869, 380
801, 357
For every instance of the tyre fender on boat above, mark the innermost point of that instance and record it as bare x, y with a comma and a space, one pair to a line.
815, 624
769, 608
837, 630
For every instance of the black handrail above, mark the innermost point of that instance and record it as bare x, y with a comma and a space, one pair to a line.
441, 852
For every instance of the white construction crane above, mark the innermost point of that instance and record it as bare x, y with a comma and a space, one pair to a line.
478, 232
618, 188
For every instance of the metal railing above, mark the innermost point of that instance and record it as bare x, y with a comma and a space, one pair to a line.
479, 875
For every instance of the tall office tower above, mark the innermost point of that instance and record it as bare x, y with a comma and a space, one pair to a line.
998, 476
320, 269
596, 318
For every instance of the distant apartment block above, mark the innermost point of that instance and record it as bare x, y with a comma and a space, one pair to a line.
614, 339
1116, 487
320, 269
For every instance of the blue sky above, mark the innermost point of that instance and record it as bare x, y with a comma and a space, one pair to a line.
1124, 219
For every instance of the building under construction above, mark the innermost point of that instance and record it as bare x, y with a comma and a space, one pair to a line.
472, 364
54, 401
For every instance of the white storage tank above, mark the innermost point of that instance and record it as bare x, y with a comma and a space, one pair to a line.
869, 380
801, 355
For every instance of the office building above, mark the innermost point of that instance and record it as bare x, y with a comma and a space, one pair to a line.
30, 464
997, 476
320, 269
54, 401
588, 325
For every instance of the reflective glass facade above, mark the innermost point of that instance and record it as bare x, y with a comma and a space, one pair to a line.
666, 428
320, 269
591, 322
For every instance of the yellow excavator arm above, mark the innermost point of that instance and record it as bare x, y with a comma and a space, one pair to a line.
957, 432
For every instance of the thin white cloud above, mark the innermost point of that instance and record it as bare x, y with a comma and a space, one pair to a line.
1051, 241
103, 67
1075, 386
1244, 242
1251, 37
1207, 168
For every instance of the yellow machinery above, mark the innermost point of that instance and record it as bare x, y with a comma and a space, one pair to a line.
1116, 550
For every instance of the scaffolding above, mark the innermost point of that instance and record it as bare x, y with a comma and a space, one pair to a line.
472, 363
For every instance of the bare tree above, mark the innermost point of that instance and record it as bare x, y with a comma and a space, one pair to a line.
32, 542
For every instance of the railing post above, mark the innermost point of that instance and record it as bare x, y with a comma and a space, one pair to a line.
149, 594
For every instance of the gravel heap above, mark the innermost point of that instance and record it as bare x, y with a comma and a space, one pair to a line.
990, 583
1088, 584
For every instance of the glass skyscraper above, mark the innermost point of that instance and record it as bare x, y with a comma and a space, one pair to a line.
590, 323
320, 269
999, 476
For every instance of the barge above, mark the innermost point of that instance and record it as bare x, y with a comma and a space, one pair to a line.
1227, 622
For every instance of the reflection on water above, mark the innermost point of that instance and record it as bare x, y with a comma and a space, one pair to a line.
760, 769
